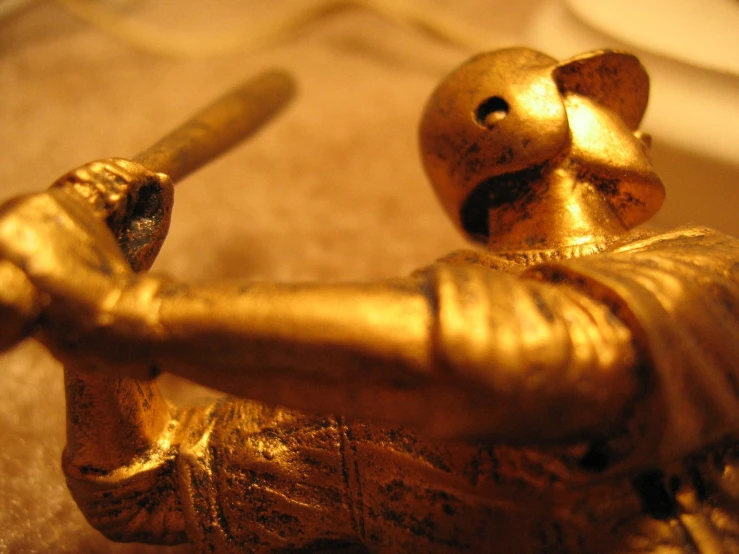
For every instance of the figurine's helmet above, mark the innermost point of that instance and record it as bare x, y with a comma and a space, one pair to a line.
501, 118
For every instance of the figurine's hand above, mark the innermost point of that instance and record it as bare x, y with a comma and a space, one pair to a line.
135, 203
74, 246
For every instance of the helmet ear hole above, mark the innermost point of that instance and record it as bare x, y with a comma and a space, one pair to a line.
490, 111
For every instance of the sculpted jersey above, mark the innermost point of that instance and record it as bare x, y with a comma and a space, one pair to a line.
665, 481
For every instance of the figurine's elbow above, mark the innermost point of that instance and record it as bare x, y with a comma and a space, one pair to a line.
541, 363
130, 504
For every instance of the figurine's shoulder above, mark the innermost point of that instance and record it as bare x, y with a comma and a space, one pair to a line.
695, 261
689, 241
679, 293
514, 262
482, 259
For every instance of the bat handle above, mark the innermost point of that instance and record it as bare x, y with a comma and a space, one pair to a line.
221, 125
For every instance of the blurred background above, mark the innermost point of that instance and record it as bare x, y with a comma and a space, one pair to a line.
333, 189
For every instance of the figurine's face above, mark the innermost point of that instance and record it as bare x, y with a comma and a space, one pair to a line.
507, 118
499, 113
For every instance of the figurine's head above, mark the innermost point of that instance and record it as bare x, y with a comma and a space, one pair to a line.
497, 129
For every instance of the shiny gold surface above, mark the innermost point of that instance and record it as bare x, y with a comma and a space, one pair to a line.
572, 389
562, 146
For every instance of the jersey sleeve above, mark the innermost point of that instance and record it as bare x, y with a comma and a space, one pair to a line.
679, 295
535, 362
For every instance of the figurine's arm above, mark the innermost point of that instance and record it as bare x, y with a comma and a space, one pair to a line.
453, 351
123, 436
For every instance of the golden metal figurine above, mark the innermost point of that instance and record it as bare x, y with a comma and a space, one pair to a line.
571, 389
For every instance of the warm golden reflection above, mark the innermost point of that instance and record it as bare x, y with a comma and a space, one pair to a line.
573, 389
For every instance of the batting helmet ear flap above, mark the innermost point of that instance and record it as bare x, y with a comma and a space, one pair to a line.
615, 80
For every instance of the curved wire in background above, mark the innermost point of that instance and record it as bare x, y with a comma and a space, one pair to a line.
434, 23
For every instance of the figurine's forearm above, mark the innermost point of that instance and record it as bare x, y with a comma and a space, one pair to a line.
355, 349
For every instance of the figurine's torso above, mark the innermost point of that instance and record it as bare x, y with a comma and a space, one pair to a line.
298, 481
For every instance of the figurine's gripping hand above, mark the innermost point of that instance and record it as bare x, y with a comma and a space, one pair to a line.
134, 202
74, 247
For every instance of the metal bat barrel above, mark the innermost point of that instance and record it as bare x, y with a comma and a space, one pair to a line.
220, 126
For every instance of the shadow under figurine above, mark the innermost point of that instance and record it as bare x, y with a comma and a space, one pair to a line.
572, 389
